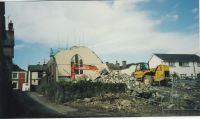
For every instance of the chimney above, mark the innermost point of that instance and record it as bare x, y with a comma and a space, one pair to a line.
124, 64
117, 65
10, 26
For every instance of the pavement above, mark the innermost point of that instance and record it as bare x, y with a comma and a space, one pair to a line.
26, 105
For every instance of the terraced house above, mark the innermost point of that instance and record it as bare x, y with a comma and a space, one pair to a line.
185, 65
36, 73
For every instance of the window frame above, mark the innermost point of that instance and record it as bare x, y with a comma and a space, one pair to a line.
17, 75
40, 74
182, 76
15, 82
78, 61
184, 64
170, 64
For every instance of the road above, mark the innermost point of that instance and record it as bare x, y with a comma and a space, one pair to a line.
25, 105
34, 105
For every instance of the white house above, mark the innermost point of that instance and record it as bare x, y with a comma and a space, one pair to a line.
185, 65
36, 74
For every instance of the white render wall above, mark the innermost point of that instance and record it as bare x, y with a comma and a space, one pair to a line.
185, 70
34, 81
34, 75
129, 70
155, 61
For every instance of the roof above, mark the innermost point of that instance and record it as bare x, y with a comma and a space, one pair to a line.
113, 66
17, 68
179, 57
128, 65
37, 67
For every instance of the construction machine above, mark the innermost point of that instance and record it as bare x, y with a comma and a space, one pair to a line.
148, 75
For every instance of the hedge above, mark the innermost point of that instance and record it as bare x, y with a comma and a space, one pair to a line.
62, 91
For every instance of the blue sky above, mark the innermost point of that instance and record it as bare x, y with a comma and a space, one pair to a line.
116, 30
183, 8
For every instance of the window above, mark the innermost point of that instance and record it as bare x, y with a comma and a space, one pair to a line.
14, 76
78, 62
172, 64
144, 66
198, 64
14, 85
81, 65
184, 64
40, 74
183, 76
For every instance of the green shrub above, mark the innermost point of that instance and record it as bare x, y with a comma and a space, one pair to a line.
66, 91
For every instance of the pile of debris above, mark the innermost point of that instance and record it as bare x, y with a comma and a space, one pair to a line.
183, 94
114, 77
120, 102
140, 98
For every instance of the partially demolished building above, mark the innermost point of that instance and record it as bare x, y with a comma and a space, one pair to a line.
72, 63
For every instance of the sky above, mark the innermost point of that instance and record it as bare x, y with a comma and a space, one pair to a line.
130, 30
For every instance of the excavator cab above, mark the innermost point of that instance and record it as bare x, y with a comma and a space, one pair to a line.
140, 70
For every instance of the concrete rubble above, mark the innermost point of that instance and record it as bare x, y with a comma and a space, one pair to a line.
179, 95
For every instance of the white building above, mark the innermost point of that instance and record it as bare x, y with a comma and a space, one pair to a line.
60, 64
129, 69
123, 69
36, 73
185, 65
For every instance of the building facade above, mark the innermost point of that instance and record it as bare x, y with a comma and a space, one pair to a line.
5, 62
18, 80
185, 65
122, 69
36, 73
129, 69
75, 62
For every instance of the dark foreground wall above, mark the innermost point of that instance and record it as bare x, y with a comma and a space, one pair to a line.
5, 70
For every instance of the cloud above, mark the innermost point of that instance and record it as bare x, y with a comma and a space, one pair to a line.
106, 28
170, 17
20, 46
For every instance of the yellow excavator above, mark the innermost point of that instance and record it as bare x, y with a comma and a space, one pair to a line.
159, 74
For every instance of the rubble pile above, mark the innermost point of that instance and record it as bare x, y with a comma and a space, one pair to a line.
120, 102
183, 95
114, 77
139, 98
135, 89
